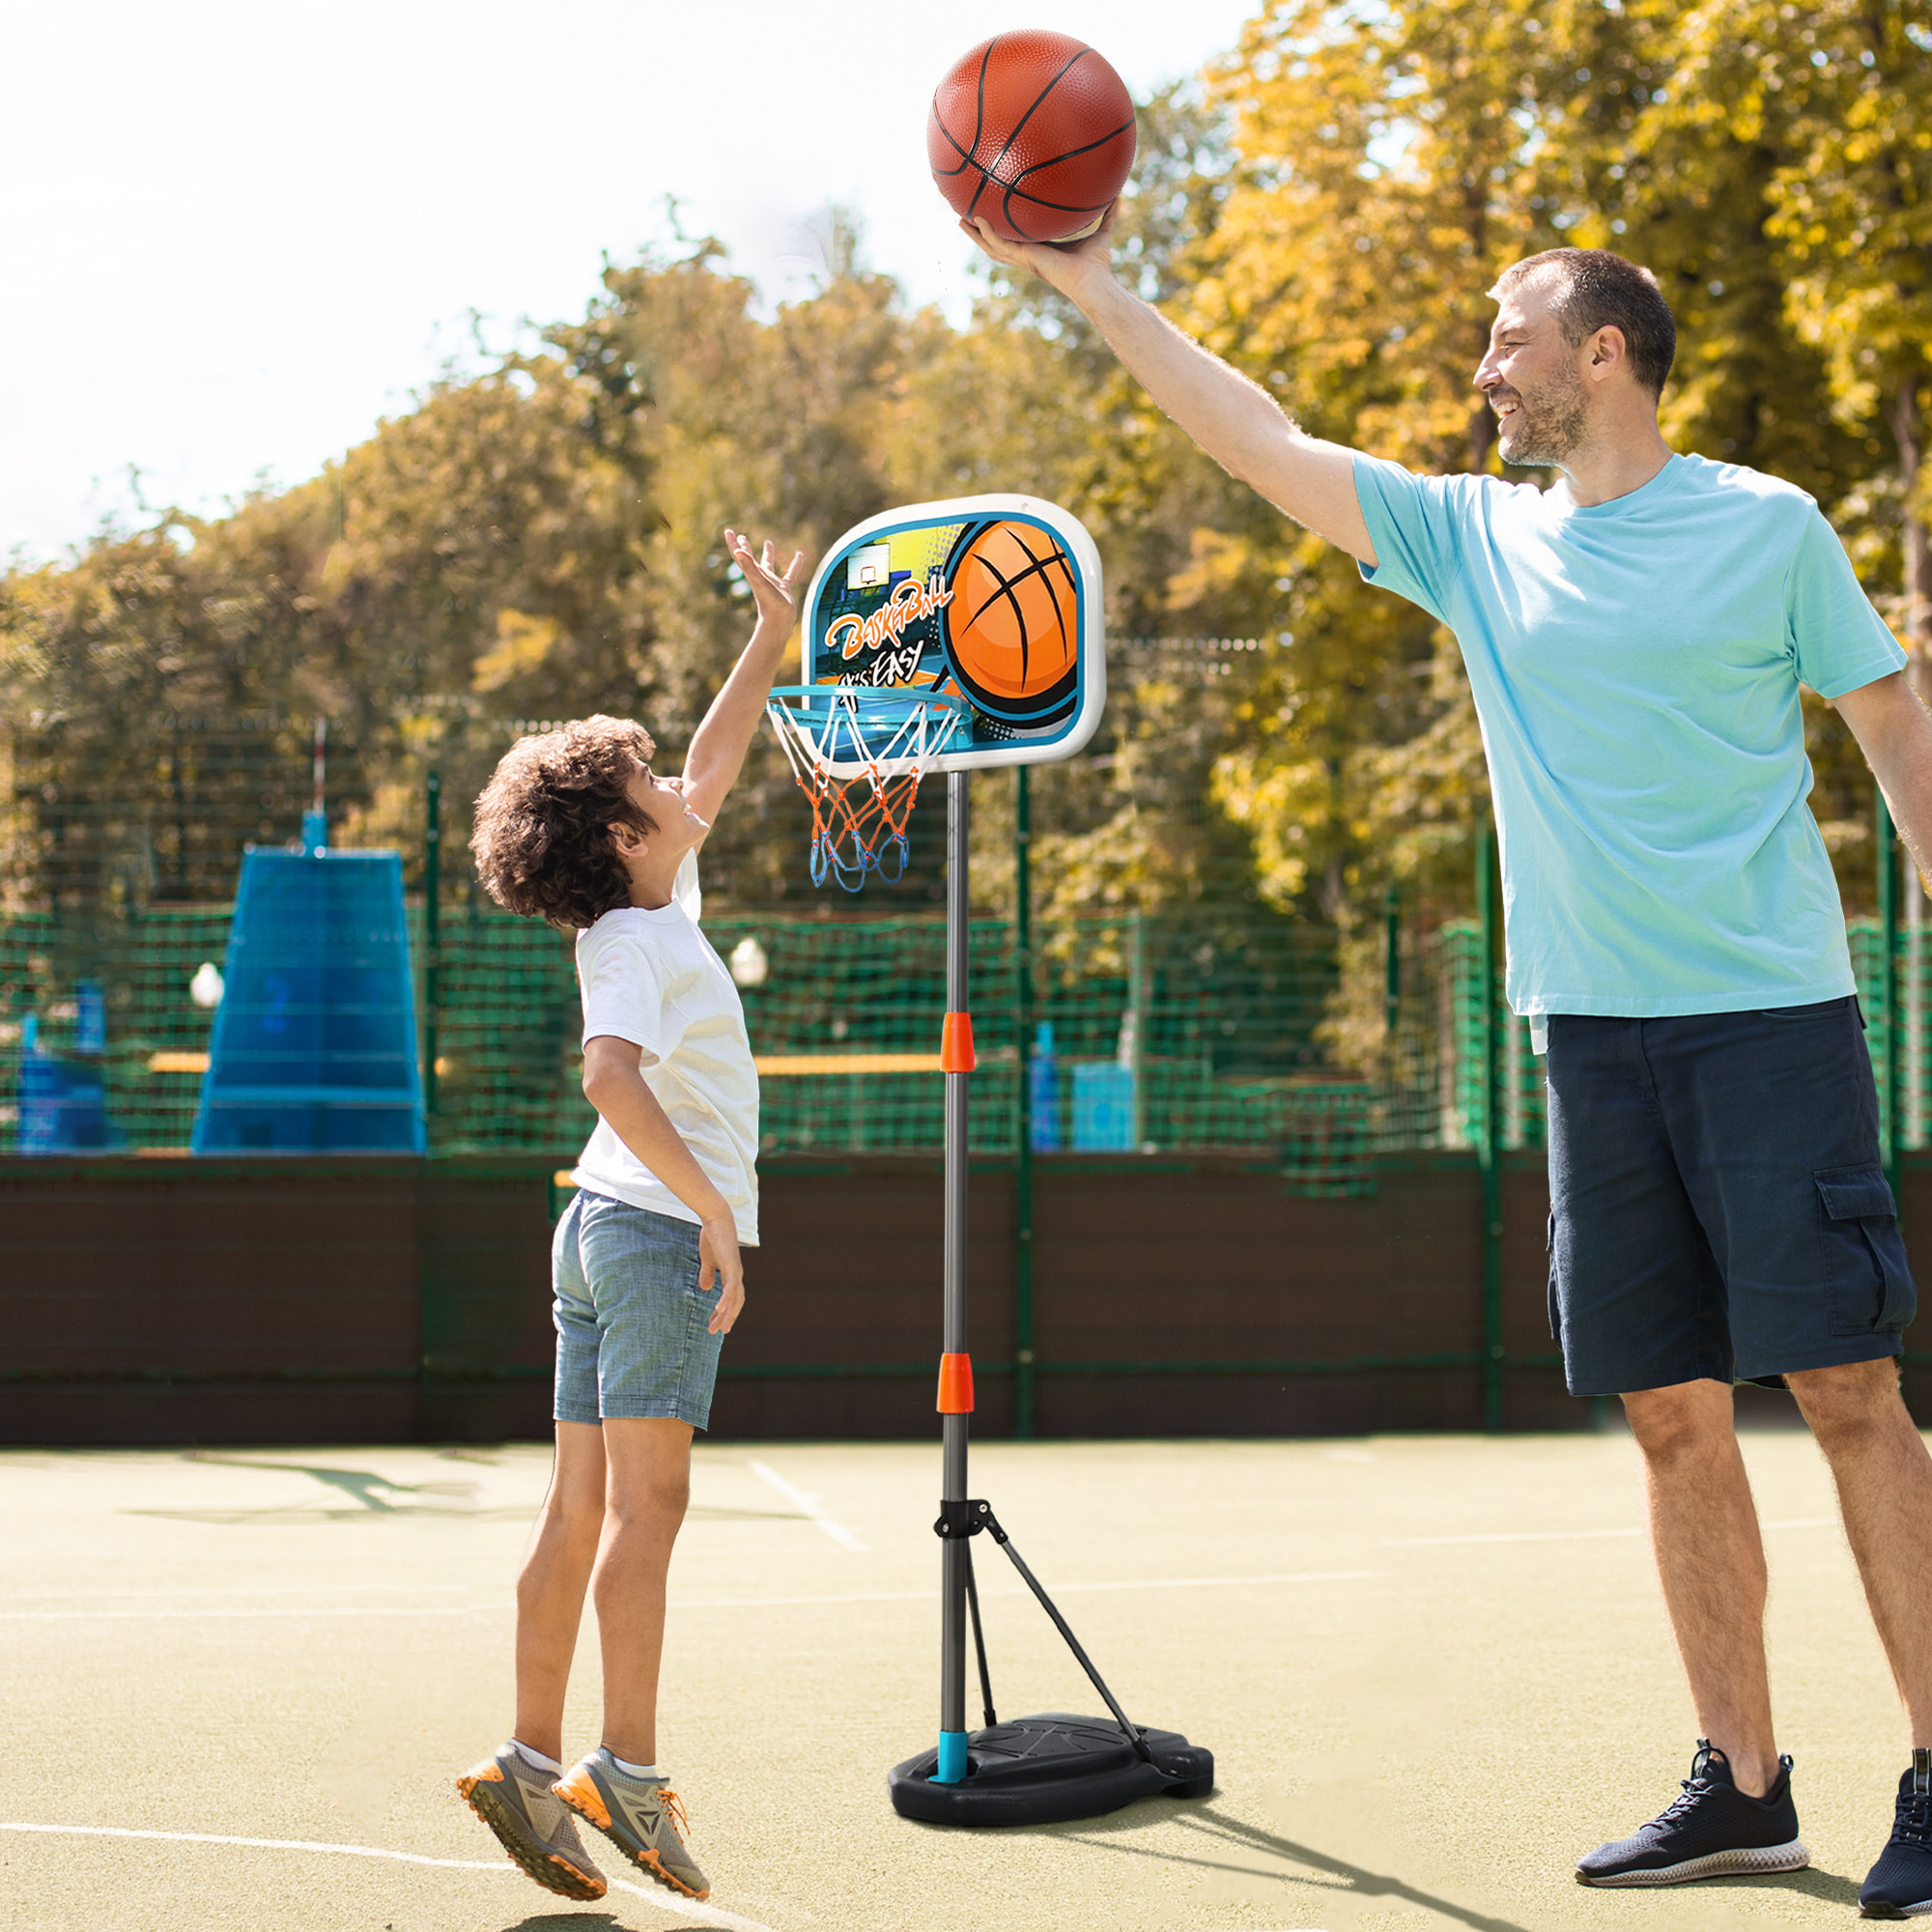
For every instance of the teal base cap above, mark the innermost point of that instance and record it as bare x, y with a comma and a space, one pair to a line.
951, 1766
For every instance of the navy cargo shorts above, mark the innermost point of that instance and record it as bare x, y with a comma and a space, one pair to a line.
1718, 1207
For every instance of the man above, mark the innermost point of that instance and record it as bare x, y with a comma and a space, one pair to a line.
1635, 639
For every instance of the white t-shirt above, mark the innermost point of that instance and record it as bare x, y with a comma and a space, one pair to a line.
650, 976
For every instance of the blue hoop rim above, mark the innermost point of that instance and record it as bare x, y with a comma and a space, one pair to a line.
877, 698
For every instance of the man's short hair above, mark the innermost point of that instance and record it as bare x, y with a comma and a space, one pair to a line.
1592, 289
542, 836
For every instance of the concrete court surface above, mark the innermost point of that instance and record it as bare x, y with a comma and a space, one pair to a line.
1433, 1670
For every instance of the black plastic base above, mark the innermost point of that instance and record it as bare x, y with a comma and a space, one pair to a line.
1048, 1768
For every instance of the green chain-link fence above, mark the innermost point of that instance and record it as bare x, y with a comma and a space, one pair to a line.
1214, 1026
1148, 1033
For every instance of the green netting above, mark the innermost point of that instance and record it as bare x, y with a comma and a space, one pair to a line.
1150, 1034
1216, 1026
156, 1032
1147, 1033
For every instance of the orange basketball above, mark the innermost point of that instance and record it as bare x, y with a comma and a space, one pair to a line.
1013, 626
1034, 131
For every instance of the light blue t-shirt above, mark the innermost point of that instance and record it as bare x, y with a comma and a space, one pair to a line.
1636, 667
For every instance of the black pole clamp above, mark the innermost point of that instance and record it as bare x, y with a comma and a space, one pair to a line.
967, 1518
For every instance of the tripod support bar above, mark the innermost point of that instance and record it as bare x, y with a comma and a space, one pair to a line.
979, 1642
960, 1521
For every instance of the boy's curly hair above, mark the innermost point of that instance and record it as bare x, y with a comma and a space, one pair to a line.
542, 835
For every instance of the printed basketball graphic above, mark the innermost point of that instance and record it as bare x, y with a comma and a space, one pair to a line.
1012, 629
1033, 131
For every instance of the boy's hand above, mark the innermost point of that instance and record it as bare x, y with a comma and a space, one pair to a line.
718, 745
718, 1254
777, 596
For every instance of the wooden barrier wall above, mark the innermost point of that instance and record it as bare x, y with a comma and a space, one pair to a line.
391, 1300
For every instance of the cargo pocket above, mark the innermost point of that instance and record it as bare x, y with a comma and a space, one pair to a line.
1872, 1291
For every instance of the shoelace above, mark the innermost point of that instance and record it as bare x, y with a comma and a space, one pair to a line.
1915, 1806
1694, 1788
673, 1806
1914, 1819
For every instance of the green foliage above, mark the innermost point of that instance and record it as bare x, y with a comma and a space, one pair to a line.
1326, 206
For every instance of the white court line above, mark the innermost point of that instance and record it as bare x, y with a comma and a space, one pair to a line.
1020, 1590
810, 1505
665, 1900
1574, 1535
260, 1844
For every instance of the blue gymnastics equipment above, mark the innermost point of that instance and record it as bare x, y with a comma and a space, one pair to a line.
60, 1099
315, 1039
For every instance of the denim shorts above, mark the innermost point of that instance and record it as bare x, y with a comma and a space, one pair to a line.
631, 1322
1718, 1207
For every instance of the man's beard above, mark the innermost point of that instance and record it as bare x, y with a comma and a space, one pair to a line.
1548, 427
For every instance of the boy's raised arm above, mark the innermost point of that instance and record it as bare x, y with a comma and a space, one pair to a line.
718, 746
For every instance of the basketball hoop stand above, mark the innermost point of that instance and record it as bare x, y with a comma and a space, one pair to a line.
1050, 1766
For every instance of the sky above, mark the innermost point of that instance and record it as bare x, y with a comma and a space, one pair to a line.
241, 234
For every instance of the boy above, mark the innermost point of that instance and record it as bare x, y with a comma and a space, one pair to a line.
575, 828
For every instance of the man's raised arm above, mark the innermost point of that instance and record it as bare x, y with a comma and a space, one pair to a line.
1234, 420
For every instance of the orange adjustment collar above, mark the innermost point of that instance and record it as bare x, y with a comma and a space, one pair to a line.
955, 1044
955, 1385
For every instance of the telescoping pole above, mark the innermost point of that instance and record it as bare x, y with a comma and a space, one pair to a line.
431, 936
1023, 1166
956, 1366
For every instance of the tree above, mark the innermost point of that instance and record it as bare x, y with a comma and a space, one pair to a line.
1851, 213
1773, 180
1389, 170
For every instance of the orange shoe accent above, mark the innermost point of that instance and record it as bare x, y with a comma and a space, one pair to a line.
665, 1879
582, 1796
649, 1860
552, 1872
584, 1880
955, 1385
955, 1044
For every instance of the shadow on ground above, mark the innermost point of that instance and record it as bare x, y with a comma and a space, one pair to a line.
1223, 1840
367, 1494
1829, 1888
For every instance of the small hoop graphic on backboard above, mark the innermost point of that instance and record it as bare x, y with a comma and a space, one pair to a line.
859, 818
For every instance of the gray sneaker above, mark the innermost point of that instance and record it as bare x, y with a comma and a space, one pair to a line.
516, 1801
641, 1816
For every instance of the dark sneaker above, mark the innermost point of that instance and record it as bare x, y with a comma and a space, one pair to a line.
515, 1800
1900, 1885
641, 1816
1712, 1830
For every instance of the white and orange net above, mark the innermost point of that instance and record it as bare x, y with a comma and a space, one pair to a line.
859, 752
